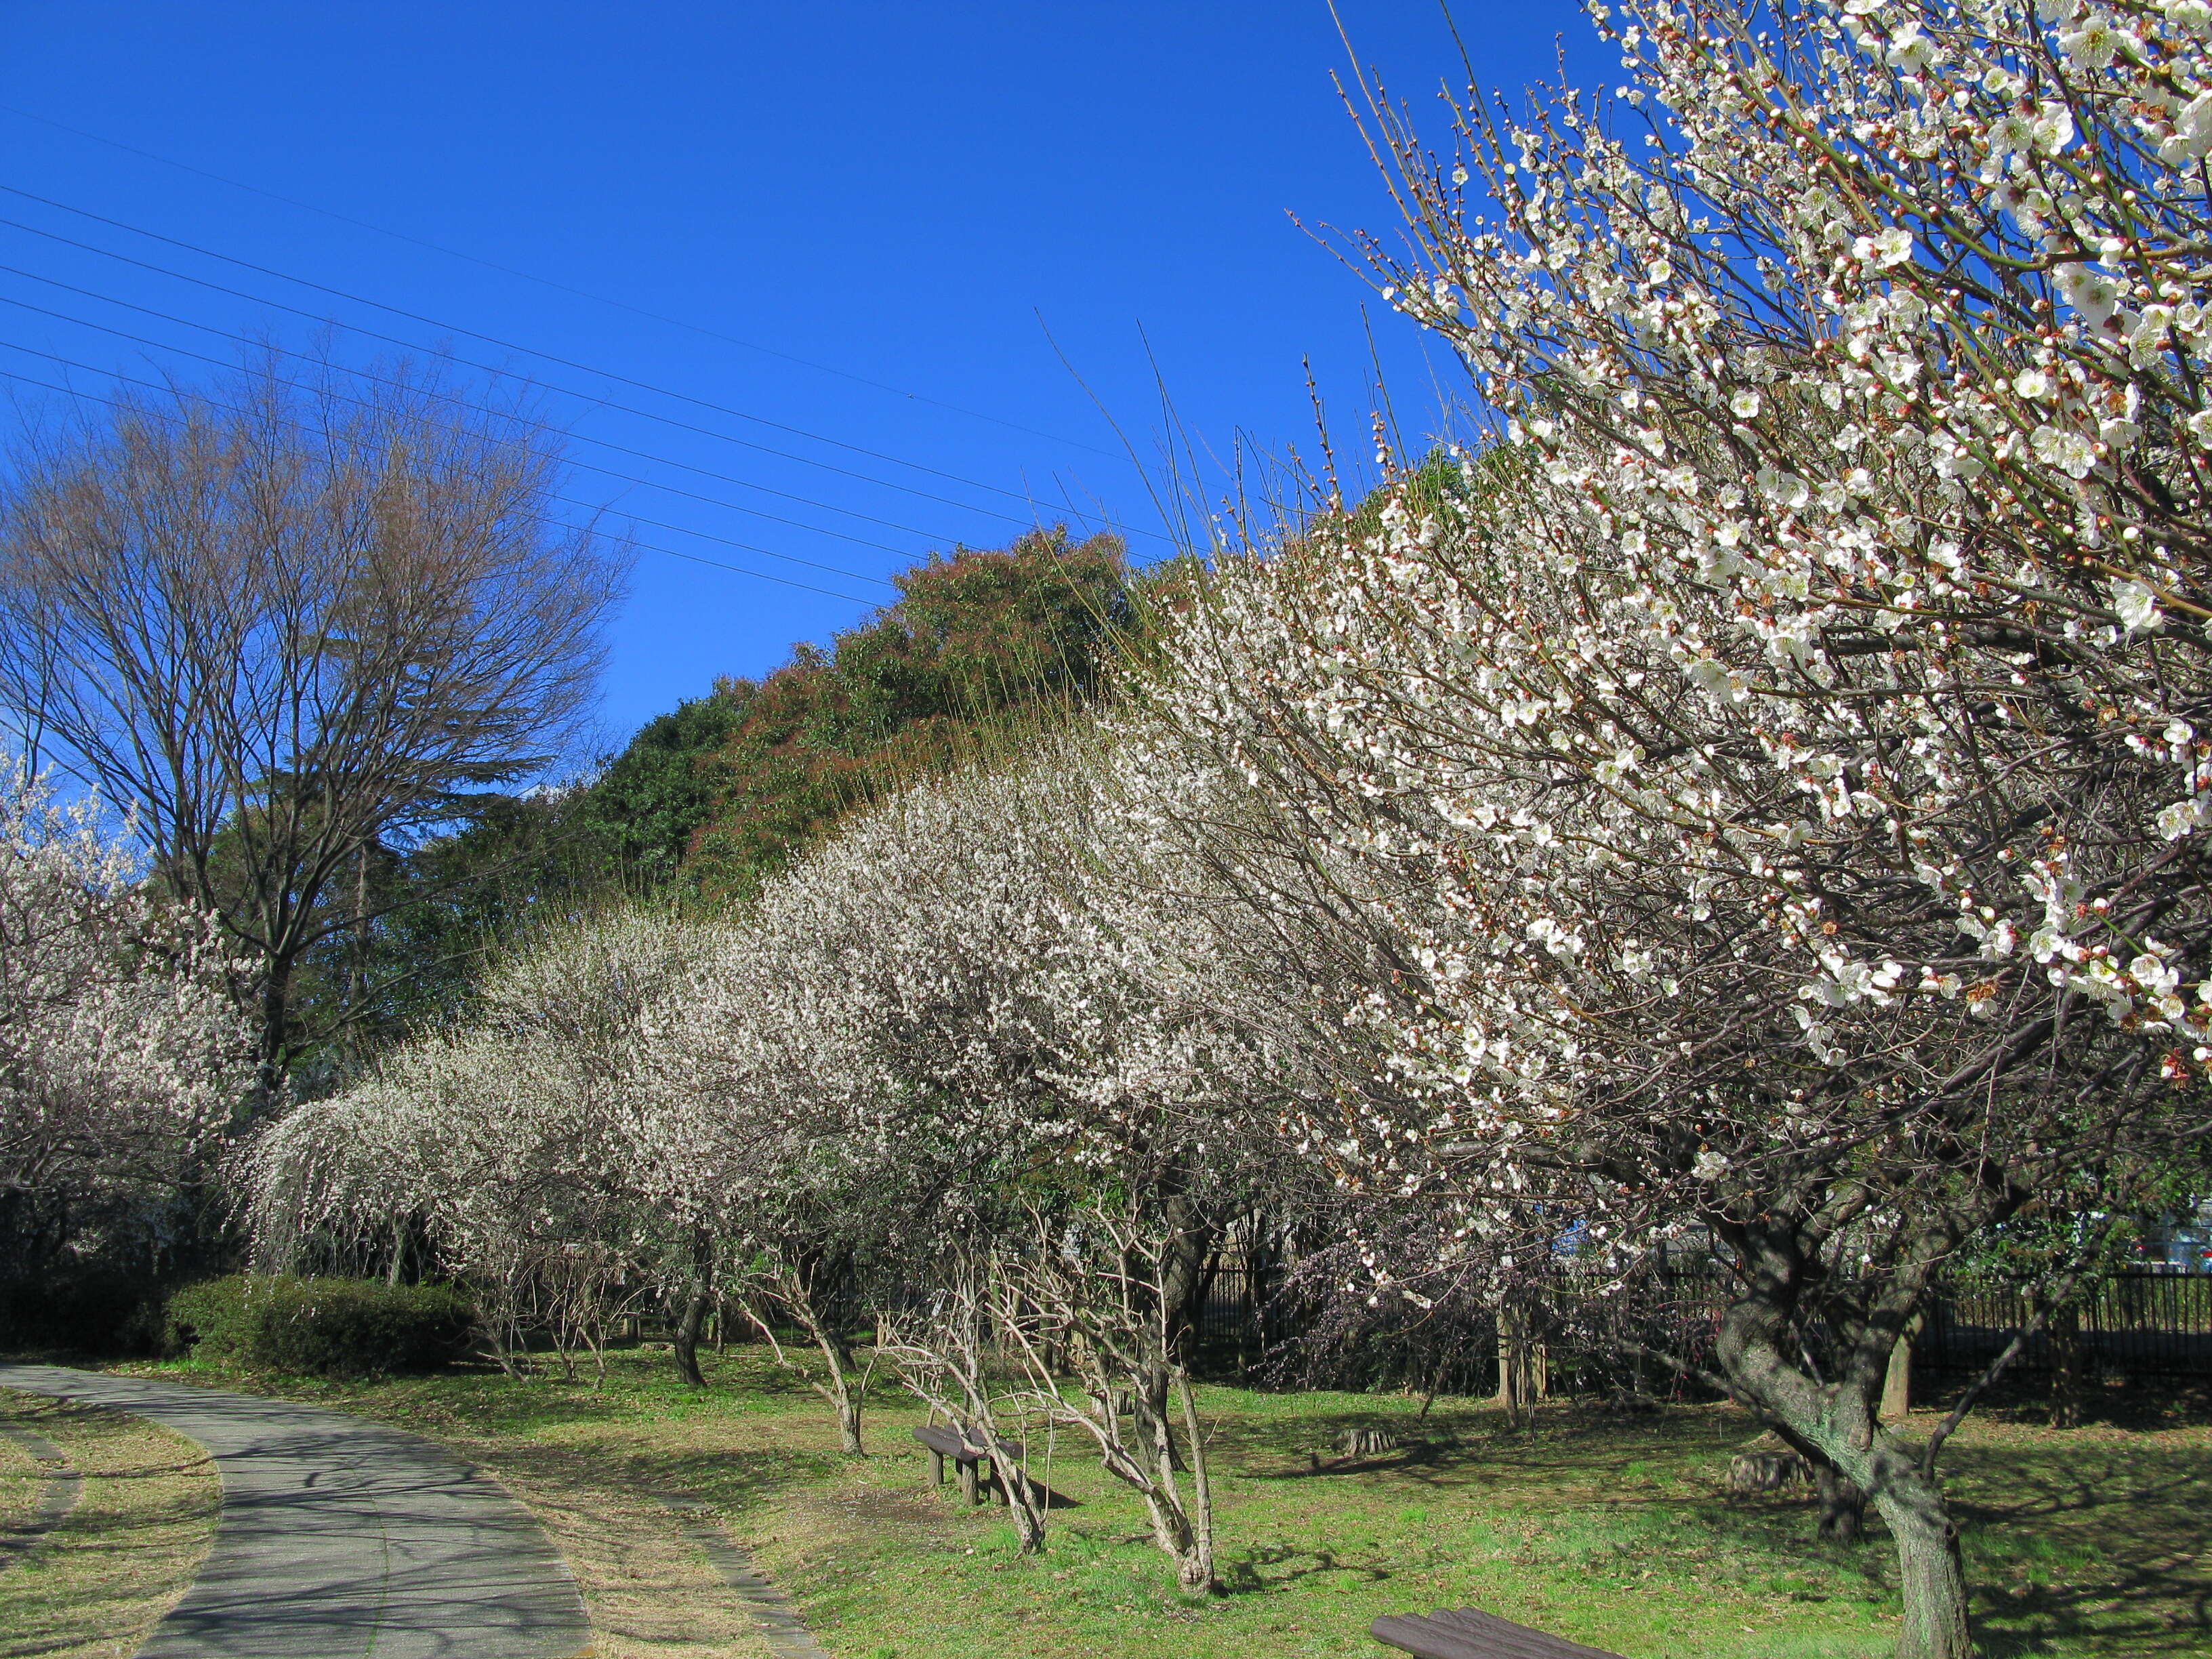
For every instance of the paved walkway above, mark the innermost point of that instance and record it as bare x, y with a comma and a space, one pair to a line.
343, 1539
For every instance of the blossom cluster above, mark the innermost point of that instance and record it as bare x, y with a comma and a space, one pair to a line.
121, 1050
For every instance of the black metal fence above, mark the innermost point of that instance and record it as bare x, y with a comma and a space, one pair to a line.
2136, 1324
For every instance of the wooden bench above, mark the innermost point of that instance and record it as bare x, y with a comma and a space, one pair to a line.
973, 1458
1471, 1633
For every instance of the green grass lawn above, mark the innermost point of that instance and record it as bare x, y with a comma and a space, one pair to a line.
1613, 1532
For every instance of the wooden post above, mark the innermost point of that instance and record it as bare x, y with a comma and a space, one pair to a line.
1521, 1367
936, 1466
968, 1481
1896, 1382
995, 1478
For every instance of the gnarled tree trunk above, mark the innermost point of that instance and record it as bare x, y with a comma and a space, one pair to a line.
697, 1299
1838, 1421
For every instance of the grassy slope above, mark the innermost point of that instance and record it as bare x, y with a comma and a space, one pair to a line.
128, 1548
1610, 1532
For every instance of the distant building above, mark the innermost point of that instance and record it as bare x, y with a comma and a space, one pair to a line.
2180, 1243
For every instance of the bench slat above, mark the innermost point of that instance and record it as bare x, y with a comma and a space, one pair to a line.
1425, 1640
1471, 1633
952, 1442
1541, 1644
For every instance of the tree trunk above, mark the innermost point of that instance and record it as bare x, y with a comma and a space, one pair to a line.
846, 1398
688, 1328
275, 1039
1183, 1283
1154, 1385
356, 990
1025, 1502
1837, 1419
2066, 1368
842, 1394
1199, 1579
1843, 1505
696, 1300
1521, 1367
1930, 1574
1184, 1531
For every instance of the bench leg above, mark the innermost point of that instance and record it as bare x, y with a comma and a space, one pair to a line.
968, 1481
997, 1481
936, 1468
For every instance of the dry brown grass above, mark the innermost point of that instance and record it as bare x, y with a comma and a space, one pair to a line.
128, 1550
650, 1592
21, 1479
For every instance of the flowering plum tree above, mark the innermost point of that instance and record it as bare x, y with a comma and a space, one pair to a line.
1776, 786
953, 1018
514, 1145
121, 1056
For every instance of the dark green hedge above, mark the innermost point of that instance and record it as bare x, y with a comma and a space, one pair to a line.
82, 1310
321, 1326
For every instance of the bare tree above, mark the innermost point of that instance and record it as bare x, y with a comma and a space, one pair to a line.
283, 615
1097, 1286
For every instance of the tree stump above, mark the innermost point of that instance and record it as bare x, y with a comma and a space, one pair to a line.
1753, 1473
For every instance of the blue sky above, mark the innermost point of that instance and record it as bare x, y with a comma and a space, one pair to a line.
896, 192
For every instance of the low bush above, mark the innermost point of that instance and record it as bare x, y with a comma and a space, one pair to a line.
321, 1326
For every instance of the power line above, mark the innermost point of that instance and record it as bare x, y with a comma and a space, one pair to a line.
595, 402
542, 518
566, 501
548, 282
475, 334
647, 483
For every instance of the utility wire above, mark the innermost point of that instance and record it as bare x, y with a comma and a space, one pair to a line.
548, 282
489, 339
381, 380
566, 501
487, 368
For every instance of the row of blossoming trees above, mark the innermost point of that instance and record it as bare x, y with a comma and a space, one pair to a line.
1764, 798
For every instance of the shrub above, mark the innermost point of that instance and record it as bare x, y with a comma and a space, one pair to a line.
321, 1326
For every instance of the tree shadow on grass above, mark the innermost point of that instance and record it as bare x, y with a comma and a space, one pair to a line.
1249, 1573
2094, 1542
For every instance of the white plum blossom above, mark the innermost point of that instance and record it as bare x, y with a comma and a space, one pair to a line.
122, 1051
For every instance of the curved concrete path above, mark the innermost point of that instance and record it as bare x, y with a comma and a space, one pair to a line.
343, 1539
